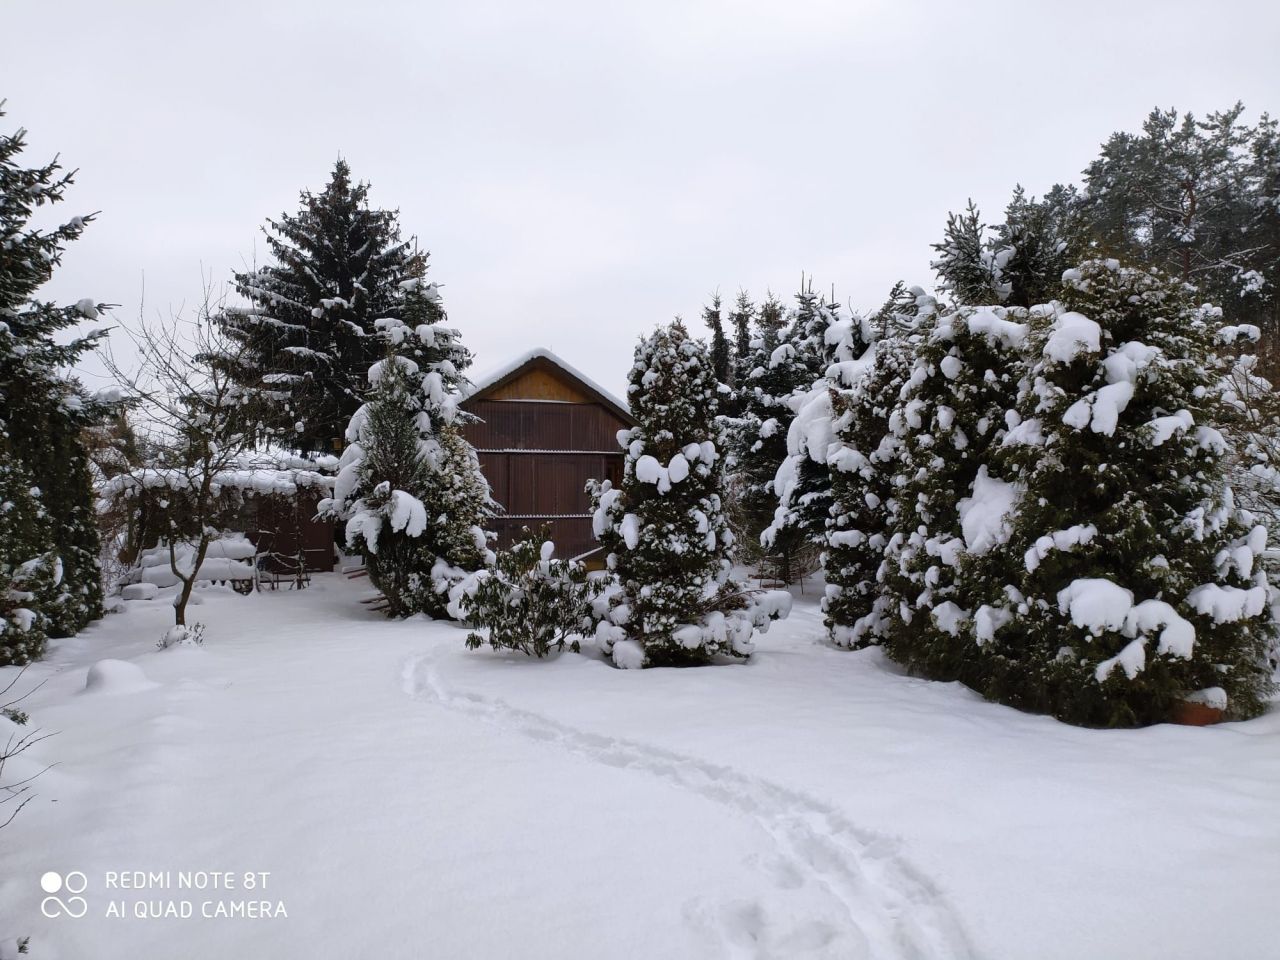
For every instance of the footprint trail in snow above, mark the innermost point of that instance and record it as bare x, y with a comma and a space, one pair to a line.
885, 910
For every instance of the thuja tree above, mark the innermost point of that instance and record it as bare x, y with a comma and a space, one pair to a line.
410, 488
44, 413
862, 478
950, 414
669, 546
1131, 580
308, 334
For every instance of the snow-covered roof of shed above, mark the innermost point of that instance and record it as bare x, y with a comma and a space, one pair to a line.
484, 383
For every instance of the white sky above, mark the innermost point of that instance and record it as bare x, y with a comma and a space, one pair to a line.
582, 171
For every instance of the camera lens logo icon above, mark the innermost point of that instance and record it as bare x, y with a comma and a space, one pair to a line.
72, 906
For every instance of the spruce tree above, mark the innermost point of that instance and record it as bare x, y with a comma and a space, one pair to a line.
669, 545
43, 412
410, 488
1130, 579
968, 269
29, 567
338, 266
721, 356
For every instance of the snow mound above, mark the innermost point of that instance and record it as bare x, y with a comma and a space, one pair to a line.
139, 591
115, 677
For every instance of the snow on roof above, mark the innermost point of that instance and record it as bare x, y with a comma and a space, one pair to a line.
483, 383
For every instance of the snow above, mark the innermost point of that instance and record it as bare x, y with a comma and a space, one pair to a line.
115, 677
1068, 539
139, 591
407, 514
808, 803
1095, 604
984, 515
1225, 604
1073, 334
988, 322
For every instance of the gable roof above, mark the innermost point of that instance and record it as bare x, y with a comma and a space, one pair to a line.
541, 357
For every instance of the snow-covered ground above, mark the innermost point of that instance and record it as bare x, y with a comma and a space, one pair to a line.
412, 799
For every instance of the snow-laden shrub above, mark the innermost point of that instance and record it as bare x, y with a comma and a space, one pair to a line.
1119, 574
191, 634
673, 601
527, 600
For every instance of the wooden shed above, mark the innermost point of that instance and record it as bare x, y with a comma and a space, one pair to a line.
544, 430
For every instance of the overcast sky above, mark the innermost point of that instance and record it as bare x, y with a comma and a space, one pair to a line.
582, 171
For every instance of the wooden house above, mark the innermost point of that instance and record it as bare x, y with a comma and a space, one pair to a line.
544, 430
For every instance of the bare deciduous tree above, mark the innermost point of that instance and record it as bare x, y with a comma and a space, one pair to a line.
197, 424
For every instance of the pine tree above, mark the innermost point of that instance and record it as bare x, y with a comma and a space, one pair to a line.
338, 267
950, 414
669, 546
1130, 579
410, 490
43, 412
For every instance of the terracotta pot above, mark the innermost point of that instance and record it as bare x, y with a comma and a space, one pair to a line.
1194, 714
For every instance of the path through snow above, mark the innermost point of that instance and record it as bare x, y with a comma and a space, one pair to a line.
891, 910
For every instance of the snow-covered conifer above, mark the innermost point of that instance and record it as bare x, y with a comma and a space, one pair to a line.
43, 412
863, 460
410, 488
309, 325
673, 602
835, 344
721, 353
950, 413
1130, 578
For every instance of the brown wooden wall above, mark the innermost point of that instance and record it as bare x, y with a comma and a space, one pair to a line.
543, 425
538, 456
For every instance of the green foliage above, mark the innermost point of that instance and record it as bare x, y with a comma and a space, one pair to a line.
668, 543
1141, 503
411, 490
528, 601
49, 557
309, 334
863, 490
949, 417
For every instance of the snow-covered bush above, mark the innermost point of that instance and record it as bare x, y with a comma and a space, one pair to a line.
528, 601
949, 415
180, 636
673, 602
410, 488
1126, 575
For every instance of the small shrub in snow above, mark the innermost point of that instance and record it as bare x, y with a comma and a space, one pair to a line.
673, 602
184, 635
528, 601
